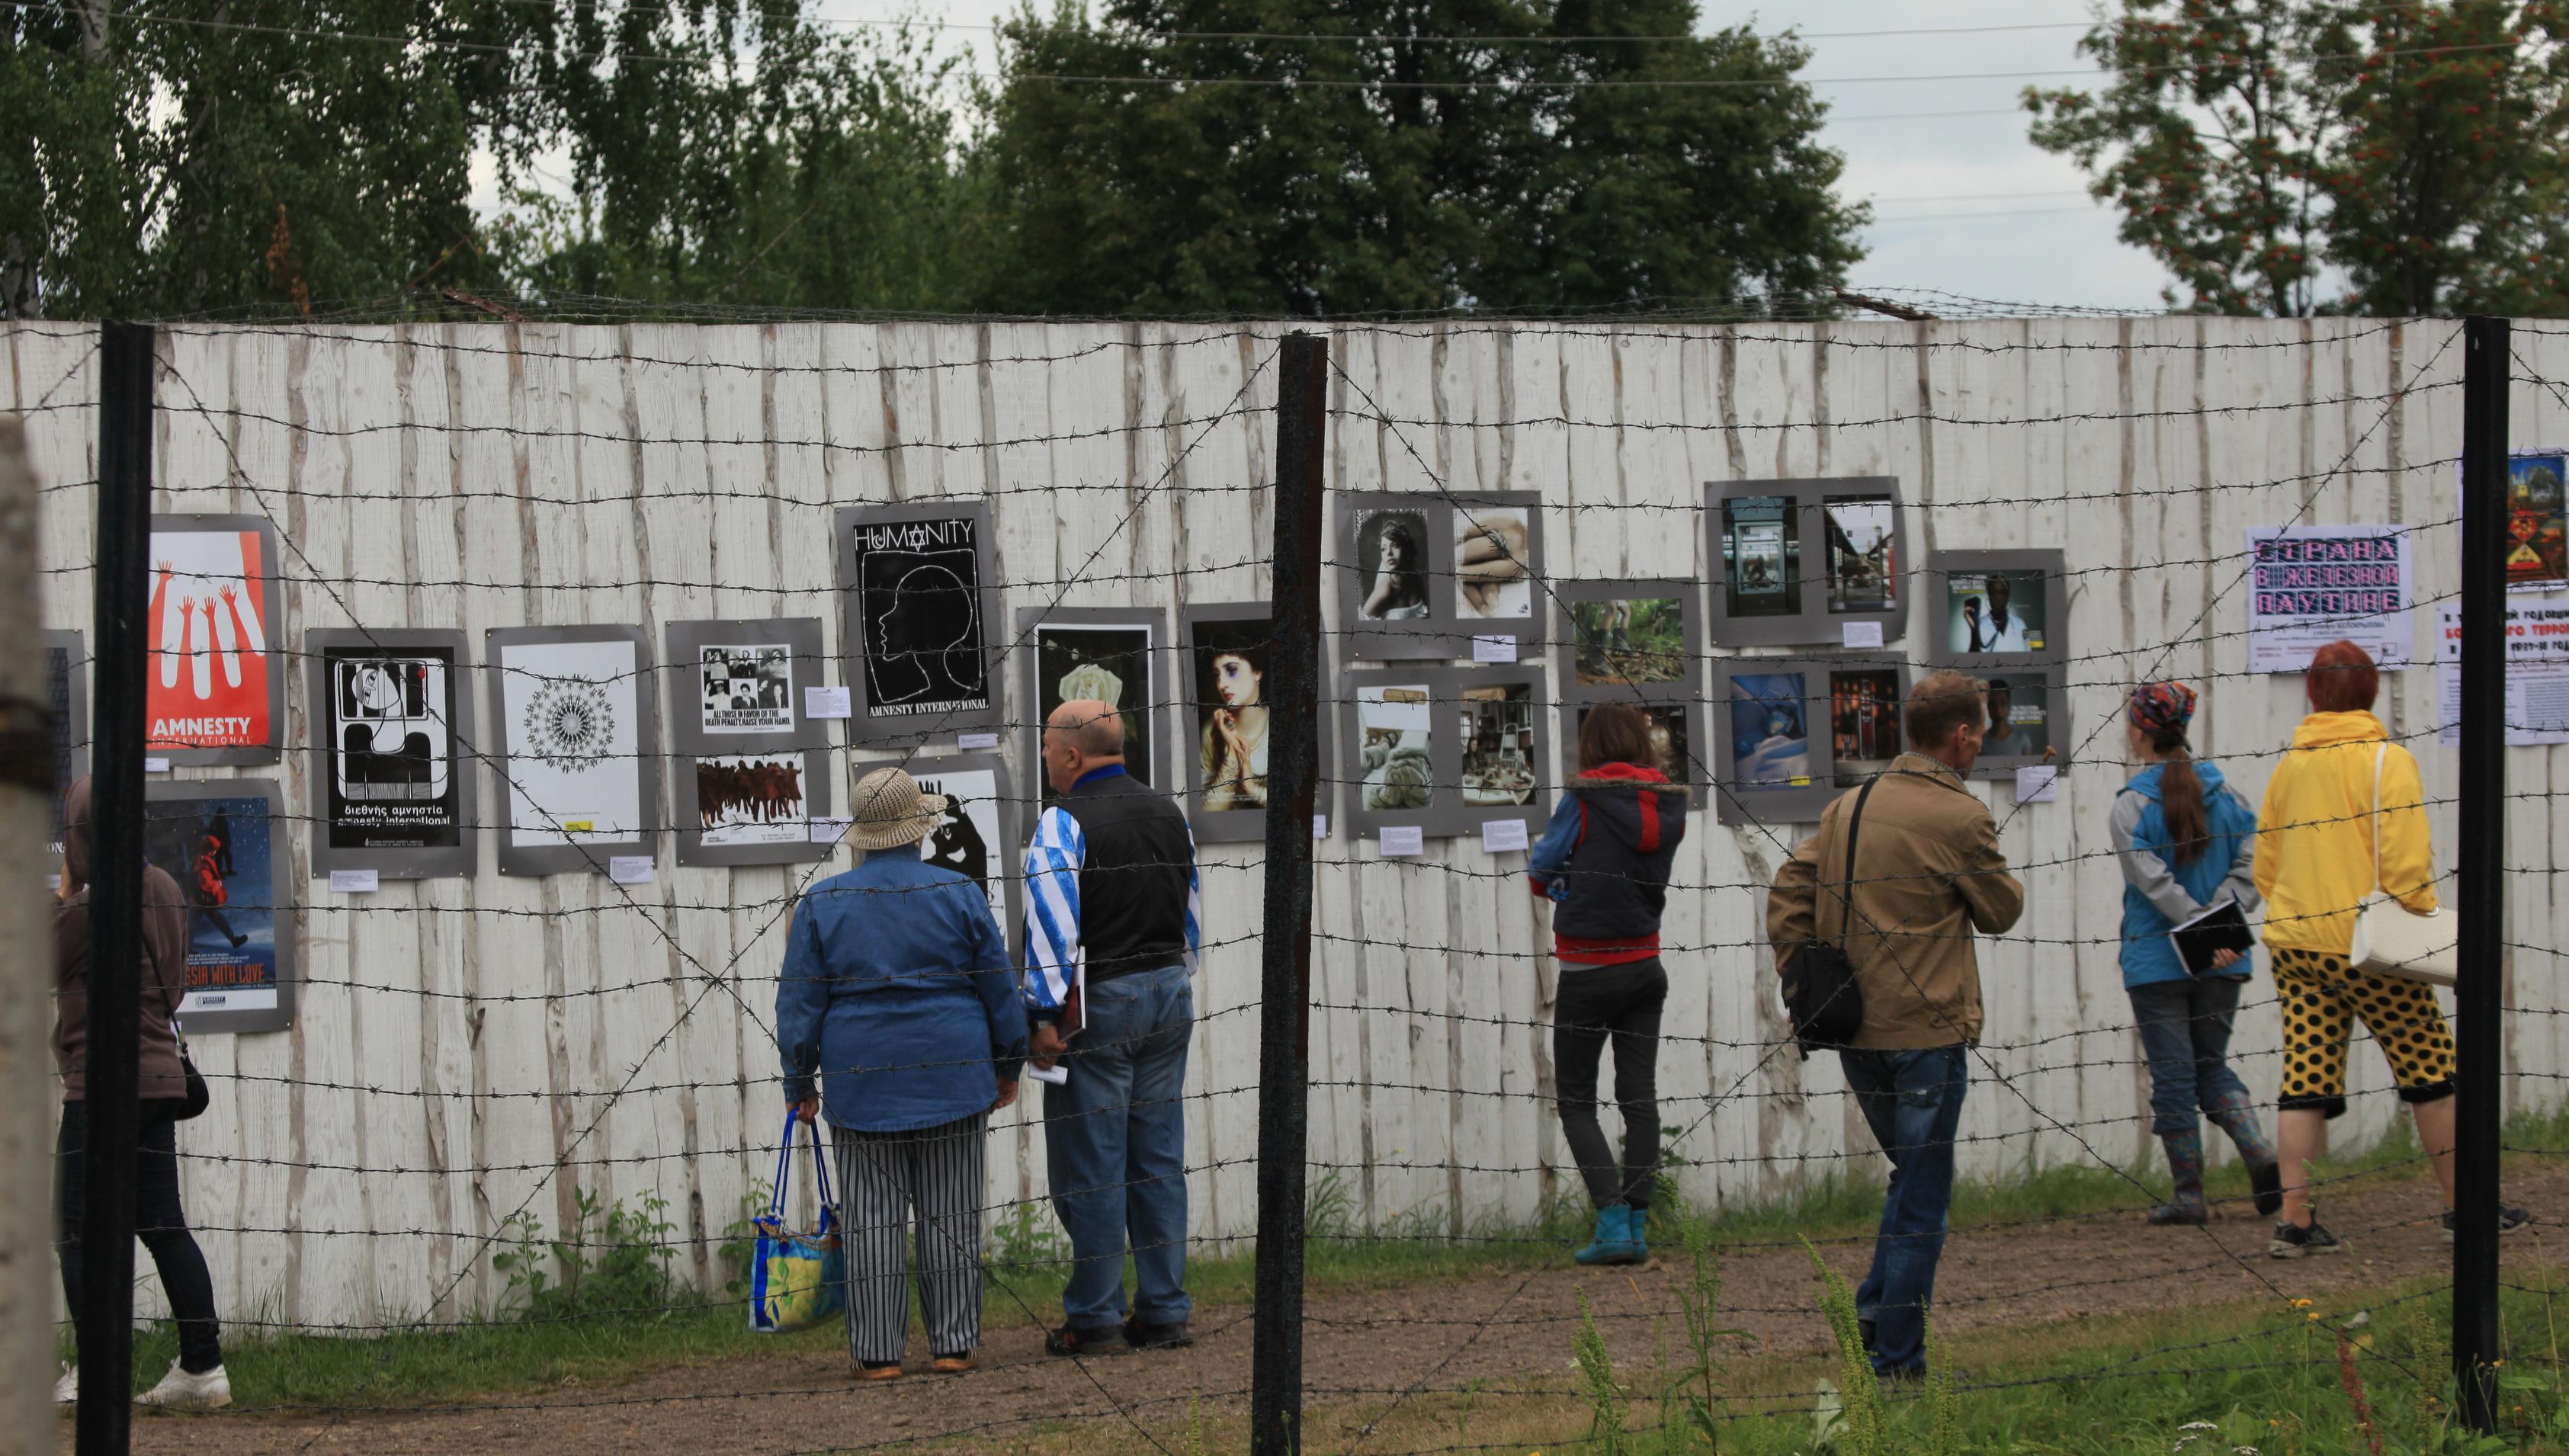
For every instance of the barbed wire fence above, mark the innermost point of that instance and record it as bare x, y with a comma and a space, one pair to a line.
489, 1077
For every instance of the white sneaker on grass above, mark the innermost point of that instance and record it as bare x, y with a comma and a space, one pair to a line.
67, 1389
179, 1390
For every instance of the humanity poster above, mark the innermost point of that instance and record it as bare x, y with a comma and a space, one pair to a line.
922, 645
219, 841
394, 776
212, 689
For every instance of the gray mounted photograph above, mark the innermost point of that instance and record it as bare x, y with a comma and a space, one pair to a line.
1770, 745
393, 755
1796, 560
1395, 570
1109, 655
1222, 725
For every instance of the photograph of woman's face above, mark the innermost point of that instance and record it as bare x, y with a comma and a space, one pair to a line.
1235, 680
1391, 558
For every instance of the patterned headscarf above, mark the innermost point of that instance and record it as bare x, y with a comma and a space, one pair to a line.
2161, 707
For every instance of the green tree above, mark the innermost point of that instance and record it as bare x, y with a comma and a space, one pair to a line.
1275, 157
2291, 157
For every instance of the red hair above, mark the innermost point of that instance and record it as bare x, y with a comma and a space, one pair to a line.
2343, 679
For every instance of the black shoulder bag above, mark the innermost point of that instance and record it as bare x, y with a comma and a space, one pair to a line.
1820, 992
196, 1097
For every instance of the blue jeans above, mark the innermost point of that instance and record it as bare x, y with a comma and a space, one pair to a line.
1913, 1102
1115, 1140
2185, 1035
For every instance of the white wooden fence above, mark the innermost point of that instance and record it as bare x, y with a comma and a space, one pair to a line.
456, 1037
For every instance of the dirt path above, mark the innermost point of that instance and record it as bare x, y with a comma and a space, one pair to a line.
1512, 1329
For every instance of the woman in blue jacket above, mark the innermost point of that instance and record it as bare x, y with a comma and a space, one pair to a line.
1603, 862
898, 1012
2187, 842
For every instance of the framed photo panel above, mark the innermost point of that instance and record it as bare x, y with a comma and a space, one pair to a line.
66, 721
1639, 642
1498, 558
979, 835
1991, 611
1112, 654
1772, 741
1223, 729
393, 752
223, 841
754, 807
577, 751
1446, 749
213, 687
750, 769
2029, 719
1864, 719
919, 603
1797, 561
1394, 553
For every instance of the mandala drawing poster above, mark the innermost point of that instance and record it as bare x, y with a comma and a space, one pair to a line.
393, 756
214, 681
918, 618
578, 757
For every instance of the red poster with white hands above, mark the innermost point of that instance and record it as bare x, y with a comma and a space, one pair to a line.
208, 678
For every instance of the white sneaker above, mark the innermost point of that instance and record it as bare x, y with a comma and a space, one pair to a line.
179, 1390
67, 1389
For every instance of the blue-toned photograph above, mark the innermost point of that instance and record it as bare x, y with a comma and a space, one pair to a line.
1771, 739
219, 849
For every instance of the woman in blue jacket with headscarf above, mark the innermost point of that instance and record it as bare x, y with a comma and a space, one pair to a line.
2187, 842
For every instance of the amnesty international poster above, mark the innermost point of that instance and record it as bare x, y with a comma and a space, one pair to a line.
2312, 584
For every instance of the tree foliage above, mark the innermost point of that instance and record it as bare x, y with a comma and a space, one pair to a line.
159, 158
1283, 158
2291, 157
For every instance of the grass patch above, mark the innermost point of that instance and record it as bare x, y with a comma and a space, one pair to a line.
615, 1316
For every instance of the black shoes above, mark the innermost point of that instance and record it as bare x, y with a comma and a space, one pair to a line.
2291, 1241
2266, 1185
1142, 1336
1104, 1339
2509, 1219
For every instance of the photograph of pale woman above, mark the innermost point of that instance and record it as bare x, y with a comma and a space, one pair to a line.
1232, 746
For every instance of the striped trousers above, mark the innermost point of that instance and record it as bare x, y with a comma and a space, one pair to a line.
902, 1191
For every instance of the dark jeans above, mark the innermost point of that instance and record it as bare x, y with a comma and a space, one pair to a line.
157, 1221
1913, 1102
1115, 1144
1594, 1004
2185, 1035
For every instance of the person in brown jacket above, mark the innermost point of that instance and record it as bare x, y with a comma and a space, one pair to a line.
1928, 874
196, 1381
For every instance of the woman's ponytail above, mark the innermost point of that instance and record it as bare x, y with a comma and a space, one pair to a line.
2189, 823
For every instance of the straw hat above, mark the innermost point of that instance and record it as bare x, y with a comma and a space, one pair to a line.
890, 812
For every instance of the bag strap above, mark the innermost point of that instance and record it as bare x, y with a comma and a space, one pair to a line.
2380, 751
784, 1172
1855, 822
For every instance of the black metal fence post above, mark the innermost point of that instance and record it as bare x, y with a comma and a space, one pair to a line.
105, 1319
2481, 866
1285, 1018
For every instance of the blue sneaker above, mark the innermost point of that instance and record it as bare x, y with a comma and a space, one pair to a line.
1636, 1232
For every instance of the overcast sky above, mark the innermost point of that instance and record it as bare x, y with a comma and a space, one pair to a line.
1962, 201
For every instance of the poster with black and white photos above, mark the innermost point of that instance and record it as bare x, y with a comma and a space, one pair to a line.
393, 752
918, 619
577, 748
1395, 582
977, 838
736, 687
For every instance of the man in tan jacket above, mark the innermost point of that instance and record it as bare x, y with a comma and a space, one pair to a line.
1928, 875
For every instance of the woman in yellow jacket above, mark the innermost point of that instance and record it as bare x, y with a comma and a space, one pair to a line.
2315, 867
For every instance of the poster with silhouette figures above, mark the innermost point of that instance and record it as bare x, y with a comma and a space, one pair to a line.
392, 752
213, 682
577, 751
67, 722
977, 838
750, 799
918, 615
223, 841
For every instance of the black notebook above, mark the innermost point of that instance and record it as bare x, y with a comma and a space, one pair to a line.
2222, 928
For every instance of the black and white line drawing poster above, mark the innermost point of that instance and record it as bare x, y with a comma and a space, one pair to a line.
752, 799
746, 687
571, 713
917, 622
392, 752
970, 839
